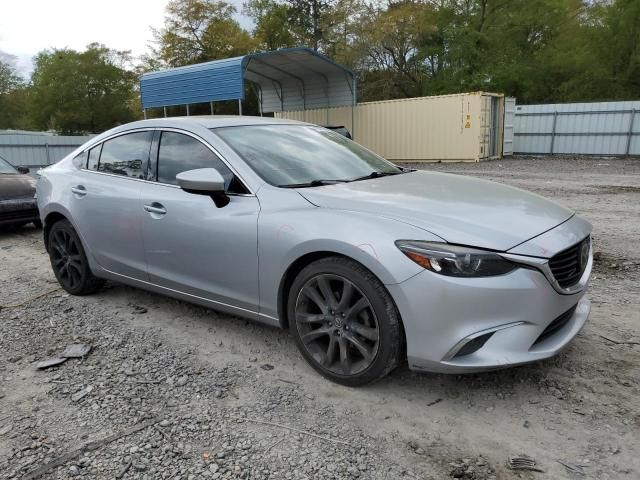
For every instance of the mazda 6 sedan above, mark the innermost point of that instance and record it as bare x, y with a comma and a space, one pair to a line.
368, 264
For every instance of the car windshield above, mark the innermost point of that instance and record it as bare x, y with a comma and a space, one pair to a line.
303, 155
6, 167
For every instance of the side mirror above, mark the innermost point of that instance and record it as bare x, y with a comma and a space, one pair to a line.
23, 170
204, 181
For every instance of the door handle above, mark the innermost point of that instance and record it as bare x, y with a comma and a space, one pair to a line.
155, 207
79, 190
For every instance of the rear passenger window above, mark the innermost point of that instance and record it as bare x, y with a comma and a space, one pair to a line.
94, 156
125, 155
179, 153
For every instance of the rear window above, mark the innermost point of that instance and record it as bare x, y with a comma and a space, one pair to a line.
125, 155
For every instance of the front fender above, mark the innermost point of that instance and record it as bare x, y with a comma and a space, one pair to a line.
286, 236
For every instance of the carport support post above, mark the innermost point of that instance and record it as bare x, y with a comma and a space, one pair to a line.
164, 109
211, 107
630, 132
144, 113
553, 131
240, 107
187, 109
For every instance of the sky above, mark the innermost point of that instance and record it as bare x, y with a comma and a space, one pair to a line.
29, 26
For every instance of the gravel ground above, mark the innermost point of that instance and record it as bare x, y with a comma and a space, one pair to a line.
170, 390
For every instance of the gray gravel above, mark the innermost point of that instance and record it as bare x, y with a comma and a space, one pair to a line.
171, 390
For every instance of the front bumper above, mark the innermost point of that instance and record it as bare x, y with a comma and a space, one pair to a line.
18, 210
441, 314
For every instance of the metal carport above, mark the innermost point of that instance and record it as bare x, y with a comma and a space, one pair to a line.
287, 79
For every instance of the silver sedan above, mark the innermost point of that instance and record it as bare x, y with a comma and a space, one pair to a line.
296, 226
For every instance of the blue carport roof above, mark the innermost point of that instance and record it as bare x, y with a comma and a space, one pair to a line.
287, 79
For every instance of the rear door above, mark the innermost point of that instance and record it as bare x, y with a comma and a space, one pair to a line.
106, 205
191, 245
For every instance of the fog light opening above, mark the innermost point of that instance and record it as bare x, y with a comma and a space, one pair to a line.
474, 345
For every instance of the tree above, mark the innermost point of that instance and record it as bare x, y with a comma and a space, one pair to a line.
11, 93
396, 66
78, 92
272, 24
200, 30
310, 21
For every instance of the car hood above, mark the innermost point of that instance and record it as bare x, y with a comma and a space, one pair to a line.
459, 209
16, 186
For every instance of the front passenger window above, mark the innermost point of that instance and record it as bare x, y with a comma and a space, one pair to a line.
179, 153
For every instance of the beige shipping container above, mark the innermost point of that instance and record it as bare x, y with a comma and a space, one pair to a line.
459, 127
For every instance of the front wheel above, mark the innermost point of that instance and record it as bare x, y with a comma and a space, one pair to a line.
345, 322
69, 262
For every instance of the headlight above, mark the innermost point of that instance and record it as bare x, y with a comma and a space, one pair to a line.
455, 261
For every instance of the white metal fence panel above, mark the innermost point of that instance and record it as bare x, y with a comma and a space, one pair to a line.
601, 128
36, 149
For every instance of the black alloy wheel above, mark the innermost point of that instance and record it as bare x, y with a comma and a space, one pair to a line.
69, 262
345, 322
337, 324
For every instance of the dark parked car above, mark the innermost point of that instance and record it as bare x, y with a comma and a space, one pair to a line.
18, 205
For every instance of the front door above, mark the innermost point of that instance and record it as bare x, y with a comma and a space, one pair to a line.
191, 245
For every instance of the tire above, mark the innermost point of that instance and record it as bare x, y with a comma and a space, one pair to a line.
351, 335
69, 261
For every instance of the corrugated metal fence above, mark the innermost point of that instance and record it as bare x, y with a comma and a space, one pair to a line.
35, 149
603, 128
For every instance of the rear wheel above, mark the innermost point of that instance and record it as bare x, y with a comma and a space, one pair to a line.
69, 262
345, 322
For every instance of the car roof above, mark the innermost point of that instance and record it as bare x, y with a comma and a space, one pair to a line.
212, 121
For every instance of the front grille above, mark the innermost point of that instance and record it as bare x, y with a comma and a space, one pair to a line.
557, 324
10, 215
568, 266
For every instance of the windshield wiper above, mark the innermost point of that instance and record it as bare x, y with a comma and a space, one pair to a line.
375, 174
312, 183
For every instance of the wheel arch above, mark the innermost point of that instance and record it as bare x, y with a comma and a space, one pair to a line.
291, 273
49, 220
298, 265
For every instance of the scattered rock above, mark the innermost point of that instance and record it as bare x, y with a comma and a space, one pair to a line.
6, 429
139, 466
266, 366
76, 350
50, 362
81, 394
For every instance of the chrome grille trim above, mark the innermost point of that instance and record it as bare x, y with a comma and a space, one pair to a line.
542, 264
567, 266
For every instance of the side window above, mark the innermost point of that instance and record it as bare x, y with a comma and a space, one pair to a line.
125, 155
94, 156
179, 153
80, 160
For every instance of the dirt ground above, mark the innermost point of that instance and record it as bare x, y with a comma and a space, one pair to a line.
171, 390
